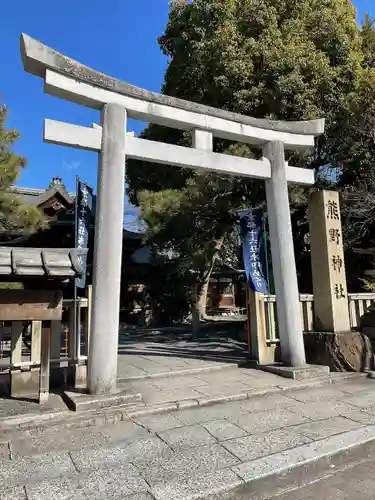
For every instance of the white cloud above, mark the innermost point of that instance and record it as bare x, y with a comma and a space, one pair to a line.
71, 165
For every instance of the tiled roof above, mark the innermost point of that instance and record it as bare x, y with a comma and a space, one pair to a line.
57, 263
35, 197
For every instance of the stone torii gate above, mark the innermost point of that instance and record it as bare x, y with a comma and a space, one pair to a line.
117, 101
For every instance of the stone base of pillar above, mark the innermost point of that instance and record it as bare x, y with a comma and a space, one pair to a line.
300, 373
76, 376
24, 383
80, 400
346, 351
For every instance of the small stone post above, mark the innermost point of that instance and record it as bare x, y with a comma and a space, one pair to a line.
102, 360
331, 307
44, 376
283, 260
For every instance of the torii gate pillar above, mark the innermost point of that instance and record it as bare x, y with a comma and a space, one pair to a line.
283, 259
102, 361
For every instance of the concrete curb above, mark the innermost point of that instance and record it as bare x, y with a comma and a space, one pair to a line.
82, 401
292, 469
68, 419
200, 402
10, 423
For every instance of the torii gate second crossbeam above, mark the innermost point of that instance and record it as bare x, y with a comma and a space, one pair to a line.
117, 101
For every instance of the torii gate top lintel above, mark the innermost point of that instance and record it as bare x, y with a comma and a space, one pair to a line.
38, 59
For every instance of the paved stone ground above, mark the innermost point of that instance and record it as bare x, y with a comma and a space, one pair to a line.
29, 409
354, 483
187, 453
214, 385
192, 389
147, 352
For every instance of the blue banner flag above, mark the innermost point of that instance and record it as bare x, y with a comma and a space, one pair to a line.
83, 223
253, 249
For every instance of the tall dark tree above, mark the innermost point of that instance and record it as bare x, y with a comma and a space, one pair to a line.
281, 59
15, 218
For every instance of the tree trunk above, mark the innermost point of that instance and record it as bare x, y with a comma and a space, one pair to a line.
200, 301
200, 298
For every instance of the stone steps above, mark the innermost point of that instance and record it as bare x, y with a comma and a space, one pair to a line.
130, 456
28, 424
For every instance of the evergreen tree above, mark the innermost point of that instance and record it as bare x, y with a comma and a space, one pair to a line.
279, 59
15, 218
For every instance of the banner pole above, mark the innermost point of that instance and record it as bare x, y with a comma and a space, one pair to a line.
267, 273
251, 228
76, 333
248, 318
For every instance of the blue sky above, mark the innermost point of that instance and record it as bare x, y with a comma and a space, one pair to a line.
119, 40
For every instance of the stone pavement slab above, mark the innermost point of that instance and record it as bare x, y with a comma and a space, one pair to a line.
356, 385
223, 430
94, 485
361, 400
222, 389
18, 493
259, 445
4, 451
325, 428
319, 394
196, 486
34, 469
151, 451
139, 496
352, 483
79, 438
174, 392
361, 415
98, 458
153, 396
178, 382
50, 439
202, 414
322, 410
264, 421
193, 435
268, 402
188, 461
159, 422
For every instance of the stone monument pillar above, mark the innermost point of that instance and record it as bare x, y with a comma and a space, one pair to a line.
327, 260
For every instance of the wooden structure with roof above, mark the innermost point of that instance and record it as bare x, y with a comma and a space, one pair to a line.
52, 268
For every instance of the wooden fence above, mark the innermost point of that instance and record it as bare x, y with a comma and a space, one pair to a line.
358, 304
